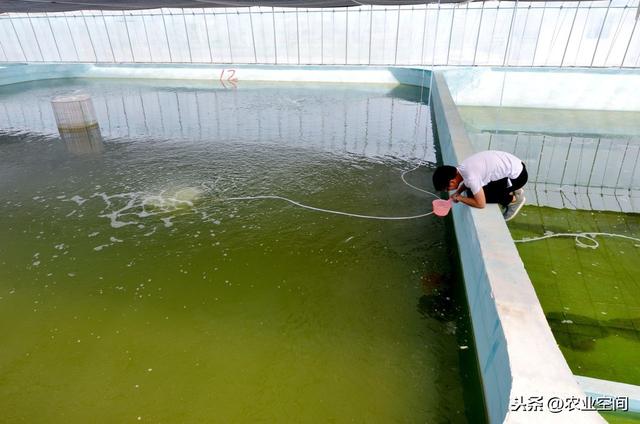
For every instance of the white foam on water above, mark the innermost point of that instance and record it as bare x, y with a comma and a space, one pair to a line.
78, 199
143, 205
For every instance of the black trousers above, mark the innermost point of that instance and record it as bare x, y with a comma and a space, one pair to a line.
499, 191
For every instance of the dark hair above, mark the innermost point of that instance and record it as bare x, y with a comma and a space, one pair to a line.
442, 175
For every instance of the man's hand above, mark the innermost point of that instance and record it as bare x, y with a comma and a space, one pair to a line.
477, 201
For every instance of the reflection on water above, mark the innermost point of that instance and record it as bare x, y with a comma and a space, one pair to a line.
83, 141
582, 332
590, 292
576, 159
367, 120
124, 276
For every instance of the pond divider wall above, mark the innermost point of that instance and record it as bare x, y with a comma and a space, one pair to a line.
226, 75
554, 88
517, 354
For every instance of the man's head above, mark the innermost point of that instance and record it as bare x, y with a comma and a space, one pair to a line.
445, 178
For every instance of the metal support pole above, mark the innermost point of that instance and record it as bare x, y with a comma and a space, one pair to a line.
18, 38
493, 30
535, 48
453, 18
615, 36
275, 43
346, 35
435, 38
464, 31
93, 47
75, 48
298, 34
186, 33
633, 31
524, 31
206, 27
604, 22
370, 31
308, 38
513, 18
556, 31
566, 46
226, 17
333, 36
321, 36
104, 21
253, 37
358, 54
395, 56
133, 57
146, 36
424, 35
475, 53
53, 34
582, 35
433, 56
286, 38
166, 34
35, 36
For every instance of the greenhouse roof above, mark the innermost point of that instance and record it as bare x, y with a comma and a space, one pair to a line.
39, 6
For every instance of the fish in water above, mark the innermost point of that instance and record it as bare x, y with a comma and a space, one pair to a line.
433, 281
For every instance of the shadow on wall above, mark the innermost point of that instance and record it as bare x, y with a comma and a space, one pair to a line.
579, 332
410, 93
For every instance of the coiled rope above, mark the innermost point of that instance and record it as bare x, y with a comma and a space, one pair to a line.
588, 236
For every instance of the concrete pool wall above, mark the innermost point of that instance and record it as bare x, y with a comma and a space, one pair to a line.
517, 354
575, 89
227, 75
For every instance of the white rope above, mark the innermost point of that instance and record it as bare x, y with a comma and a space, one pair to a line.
354, 215
588, 236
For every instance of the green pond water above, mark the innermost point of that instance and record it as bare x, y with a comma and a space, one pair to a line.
590, 296
621, 417
132, 289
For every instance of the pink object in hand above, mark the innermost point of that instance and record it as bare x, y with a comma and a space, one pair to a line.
442, 207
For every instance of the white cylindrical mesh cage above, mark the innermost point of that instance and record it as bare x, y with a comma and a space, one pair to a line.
74, 111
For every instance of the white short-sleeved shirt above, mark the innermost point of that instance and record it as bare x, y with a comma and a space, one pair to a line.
481, 168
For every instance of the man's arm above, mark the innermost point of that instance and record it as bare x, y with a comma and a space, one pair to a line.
477, 201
